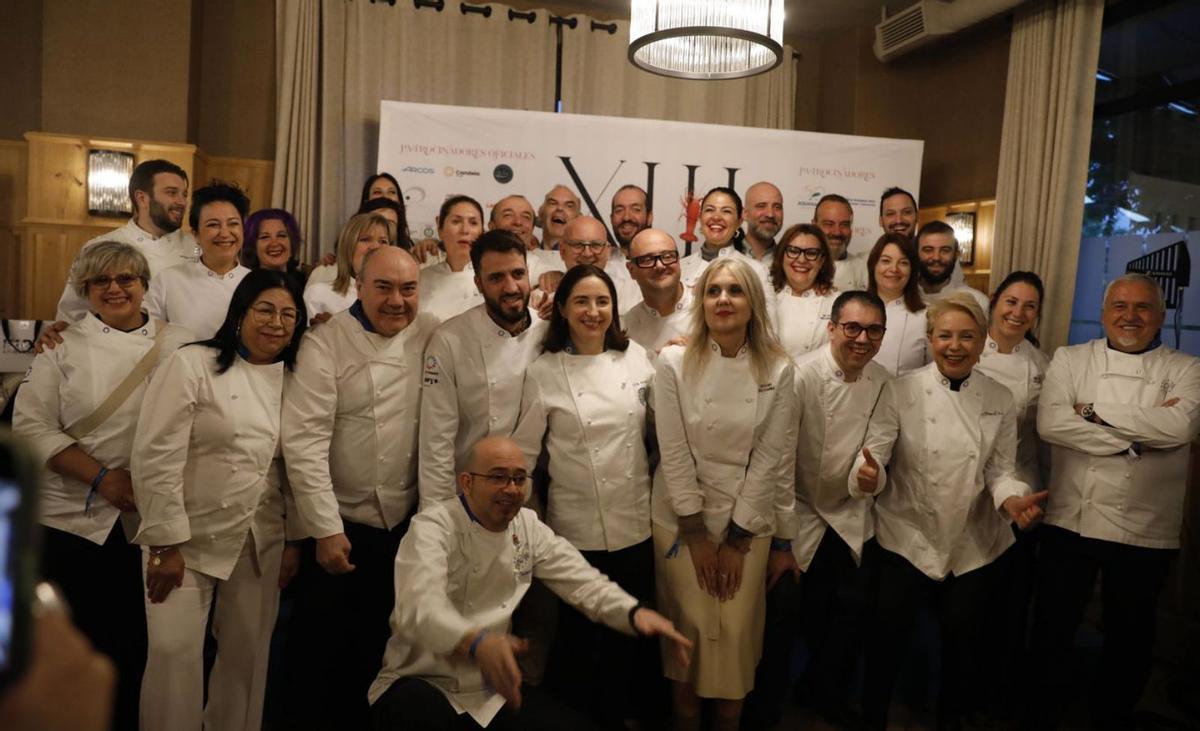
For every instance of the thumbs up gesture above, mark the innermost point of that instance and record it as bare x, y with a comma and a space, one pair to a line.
868, 474
1026, 511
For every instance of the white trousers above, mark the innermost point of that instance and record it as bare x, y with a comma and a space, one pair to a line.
243, 618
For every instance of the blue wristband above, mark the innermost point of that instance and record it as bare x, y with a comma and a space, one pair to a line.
781, 544
475, 643
87, 503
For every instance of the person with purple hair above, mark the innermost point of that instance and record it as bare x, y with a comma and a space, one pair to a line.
272, 241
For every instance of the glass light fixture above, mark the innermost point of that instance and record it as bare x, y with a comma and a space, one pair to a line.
108, 183
706, 39
963, 223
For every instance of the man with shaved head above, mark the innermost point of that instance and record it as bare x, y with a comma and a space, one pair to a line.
466, 562
763, 215
559, 207
662, 316
349, 440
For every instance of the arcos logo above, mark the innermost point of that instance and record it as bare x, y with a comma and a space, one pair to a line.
416, 170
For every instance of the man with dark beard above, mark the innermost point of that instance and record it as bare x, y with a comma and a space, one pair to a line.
763, 216
158, 190
835, 217
937, 251
630, 215
898, 212
474, 367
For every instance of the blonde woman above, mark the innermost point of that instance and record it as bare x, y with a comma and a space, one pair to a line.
939, 459
362, 233
723, 487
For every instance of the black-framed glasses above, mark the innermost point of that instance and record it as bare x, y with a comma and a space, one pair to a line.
812, 254
593, 246
854, 329
104, 281
647, 261
264, 313
500, 480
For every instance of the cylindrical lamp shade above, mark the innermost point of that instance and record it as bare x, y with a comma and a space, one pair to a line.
706, 39
108, 183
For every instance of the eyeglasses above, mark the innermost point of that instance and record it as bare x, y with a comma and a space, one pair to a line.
500, 480
593, 246
854, 329
647, 261
124, 281
812, 254
264, 314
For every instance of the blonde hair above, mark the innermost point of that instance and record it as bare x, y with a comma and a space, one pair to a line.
960, 301
348, 241
108, 256
764, 347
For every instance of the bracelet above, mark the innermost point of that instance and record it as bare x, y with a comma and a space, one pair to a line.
475, 643
160, 550
633, 611
781, 544
91, 496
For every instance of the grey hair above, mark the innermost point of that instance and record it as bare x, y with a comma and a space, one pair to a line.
961, 301
1138, 277
108, 256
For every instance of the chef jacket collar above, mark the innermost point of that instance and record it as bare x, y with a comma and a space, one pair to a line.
1157, 341
356, 309
462, 498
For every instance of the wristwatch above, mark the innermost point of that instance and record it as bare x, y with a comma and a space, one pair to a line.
156, 553
1088, 412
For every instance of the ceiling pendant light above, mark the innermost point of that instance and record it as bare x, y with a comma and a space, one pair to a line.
706, 39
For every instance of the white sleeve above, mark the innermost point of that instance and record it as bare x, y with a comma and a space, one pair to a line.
531, 425
426, 614
71, 307
882, 433
38, 408
439, 423
1160, 427
160, 452
568, 574
309, 412
1000, 470
1057, 422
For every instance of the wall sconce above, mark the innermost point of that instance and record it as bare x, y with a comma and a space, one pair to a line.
108, 183
963, 224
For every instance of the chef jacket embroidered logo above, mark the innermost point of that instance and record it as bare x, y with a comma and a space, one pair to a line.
763, 387
433, 371
522, 561
642, 392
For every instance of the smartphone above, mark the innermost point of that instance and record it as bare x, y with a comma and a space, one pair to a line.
19, 554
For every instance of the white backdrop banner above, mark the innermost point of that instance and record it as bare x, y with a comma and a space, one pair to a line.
436, 151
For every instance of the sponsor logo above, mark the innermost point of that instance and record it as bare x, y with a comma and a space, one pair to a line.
503, 174
453, 172
417, 170
432, 373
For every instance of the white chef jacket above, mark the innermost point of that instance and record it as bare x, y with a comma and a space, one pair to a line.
66, 385
445, 293
471, 385
651, 330
202, 456
1097, 489
851, 273
456, 576
693, 265
320, 297
803, 321
950, 288
161, 254
194, 296
905, 346
726, 442
628, 291
540, 261
833, 416
1021, 371
590, 410
950, 462
322, 273
350, 415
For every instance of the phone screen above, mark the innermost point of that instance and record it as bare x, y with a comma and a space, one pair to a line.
18, 556
10, 501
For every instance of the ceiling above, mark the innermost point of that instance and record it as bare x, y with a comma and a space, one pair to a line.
803, 18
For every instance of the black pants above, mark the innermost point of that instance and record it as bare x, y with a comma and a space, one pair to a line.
103, 585
1131, 579
836, 603
764, 704
339, 631
605, 674
1007, 617
411, 704
958, 602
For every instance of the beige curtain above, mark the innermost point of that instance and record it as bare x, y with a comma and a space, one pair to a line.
373, 52
599, 79
297, 58
1044, 150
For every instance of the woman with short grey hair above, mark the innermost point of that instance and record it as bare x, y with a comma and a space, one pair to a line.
79, 408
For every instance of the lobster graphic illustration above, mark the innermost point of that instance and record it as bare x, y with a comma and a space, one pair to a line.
691, 210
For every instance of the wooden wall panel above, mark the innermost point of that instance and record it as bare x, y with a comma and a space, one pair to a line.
978, 274
13, 163
46, 253
256, 177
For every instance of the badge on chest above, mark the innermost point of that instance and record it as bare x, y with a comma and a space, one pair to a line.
522, 557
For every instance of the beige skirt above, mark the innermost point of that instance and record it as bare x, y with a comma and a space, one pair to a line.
728, 636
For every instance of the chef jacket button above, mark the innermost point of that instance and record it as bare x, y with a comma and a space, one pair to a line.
233, 396
224, 504
475, 570
589, 422
235, 469
710, 426
595, 449
749, 400
493, 419
928, 392
1120, 506
971, 455
708, 401
604, 479
503, 605
469, 603
105, 330
1127, 475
